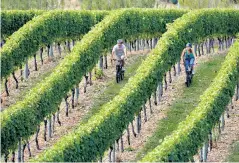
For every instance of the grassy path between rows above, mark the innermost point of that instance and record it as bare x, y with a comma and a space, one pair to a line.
234, 153
182, 106
101, 92
113, 88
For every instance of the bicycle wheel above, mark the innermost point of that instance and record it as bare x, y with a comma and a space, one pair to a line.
188, 81
122, 75
117, 78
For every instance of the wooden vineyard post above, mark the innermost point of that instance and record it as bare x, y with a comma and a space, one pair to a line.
45, 129
201, 154
132, 126
69, 46
51, 52
137, 45
36, 137
59, 48
202, 48
174, 71
155, 98
23, 149
212, 45
106, 62
53, 122
48, 51
26, 71
101, 62
199, 50
195, 49
13, 156
90, 78
6, 88
142, 43
222, 121
122, 143
73, 98
29, 149
41, 53
77, 90
19, 158
170, 76
165, 81
205, 151
58, 117
86, 81
179, 68
6, 156
110, 152
128, 135
237, 92
50, 126
219, 127
210, 141
227, 111
15, 78
35, 62
117, 142
113, 156
67, 105
159, 92
139, 122
206, 45
145, 113
150, 106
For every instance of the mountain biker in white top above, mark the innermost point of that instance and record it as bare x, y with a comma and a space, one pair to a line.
119, 52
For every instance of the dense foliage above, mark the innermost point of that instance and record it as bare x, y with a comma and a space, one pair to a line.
196, 4
184, 142
22, 119
90, 140
44, 30
115, 4
12, 20
31, 4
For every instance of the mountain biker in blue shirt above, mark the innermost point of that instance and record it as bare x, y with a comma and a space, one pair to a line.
188, 57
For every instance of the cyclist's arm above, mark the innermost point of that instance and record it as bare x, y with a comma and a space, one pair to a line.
112, 54
182, 55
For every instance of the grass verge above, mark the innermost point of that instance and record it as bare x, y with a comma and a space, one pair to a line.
234, 153
184, 104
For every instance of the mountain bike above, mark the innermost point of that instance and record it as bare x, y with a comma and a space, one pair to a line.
189, 75
119, 71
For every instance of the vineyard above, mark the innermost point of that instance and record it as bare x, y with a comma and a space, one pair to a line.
60, 101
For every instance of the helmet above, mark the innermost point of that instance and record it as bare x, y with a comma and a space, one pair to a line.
189, 45
120, 41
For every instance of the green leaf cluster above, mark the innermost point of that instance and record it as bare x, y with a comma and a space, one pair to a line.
12, 20
89, 141
184, 142
22, 119
43, 30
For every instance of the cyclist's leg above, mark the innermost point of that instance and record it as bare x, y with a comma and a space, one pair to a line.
192, 64
186, 64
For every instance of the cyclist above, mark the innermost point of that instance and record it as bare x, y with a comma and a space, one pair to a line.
188, 57
119, 50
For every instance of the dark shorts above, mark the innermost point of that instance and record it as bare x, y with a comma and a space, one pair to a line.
189, 62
